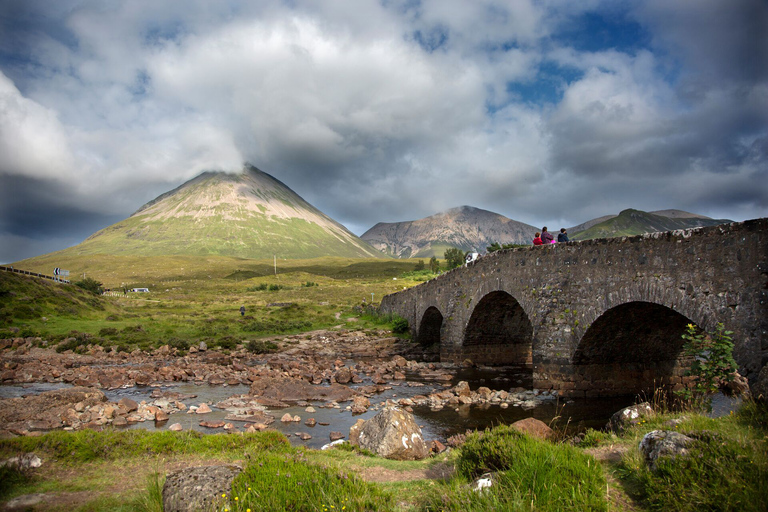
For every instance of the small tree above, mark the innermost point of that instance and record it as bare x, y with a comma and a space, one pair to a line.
713, 364
91, 285
434, 265
453, 258
419, 266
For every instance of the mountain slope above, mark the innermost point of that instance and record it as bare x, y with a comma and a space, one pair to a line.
465, 227
249, 215
635, 222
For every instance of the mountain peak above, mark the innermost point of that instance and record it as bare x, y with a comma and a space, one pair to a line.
250, 214
464, 227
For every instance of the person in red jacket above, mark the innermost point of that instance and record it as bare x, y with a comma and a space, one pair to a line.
537, 239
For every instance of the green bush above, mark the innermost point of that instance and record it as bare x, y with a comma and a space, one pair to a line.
261, 347
260, 288
399, 325
90, 285
712, 366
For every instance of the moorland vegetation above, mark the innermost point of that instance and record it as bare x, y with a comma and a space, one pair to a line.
198, 299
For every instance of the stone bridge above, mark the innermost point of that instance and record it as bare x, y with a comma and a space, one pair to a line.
599, 317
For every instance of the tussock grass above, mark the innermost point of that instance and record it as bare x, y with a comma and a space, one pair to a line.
726, 468
290, 481
528, 474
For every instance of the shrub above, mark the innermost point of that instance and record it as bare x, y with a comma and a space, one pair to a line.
399, 325
260, 288
261, 347
179, 343
713, 363
453, 257
90, 285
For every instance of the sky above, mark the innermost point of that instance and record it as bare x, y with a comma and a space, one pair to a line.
550, 112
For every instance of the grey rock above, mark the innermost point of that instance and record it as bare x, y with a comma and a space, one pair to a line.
663, 443
393, 434
629, 416
198, 489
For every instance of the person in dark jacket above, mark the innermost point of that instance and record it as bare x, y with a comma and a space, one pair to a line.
546, 236
563, 236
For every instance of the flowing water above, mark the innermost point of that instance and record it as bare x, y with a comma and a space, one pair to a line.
573, 414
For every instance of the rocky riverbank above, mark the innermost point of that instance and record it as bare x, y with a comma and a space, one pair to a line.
334, 369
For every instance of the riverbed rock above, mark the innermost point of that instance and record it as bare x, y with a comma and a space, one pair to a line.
393, 434
198, 488
632, 415
46, 410
663, 443
286, 389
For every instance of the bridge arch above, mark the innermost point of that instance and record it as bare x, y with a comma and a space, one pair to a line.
634, 347
499, 332
428, 334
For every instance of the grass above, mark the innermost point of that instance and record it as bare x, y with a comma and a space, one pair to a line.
727, 466
528, 474
727, 470
196, 299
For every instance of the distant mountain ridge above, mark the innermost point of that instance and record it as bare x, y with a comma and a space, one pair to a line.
636, 222
466, 227
248, 215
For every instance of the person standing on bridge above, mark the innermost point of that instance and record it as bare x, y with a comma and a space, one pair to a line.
546, 236
563, 236
537, 239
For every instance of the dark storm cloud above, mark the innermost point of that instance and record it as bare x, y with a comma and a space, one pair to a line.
32, 208
382, 111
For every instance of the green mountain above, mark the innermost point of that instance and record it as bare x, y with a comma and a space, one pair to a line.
247, 215
635, 222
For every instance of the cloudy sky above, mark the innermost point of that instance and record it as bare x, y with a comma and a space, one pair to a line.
546, 111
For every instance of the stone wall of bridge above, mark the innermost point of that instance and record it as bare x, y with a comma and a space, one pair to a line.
600, 317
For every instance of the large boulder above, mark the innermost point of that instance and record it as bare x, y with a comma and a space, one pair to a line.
629, 416
393, 434
534, 428
199, 488
663, 443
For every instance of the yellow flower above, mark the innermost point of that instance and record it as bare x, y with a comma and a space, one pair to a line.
236, 498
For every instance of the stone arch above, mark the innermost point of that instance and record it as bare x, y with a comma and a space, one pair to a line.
634, 347
430, 326
499, 332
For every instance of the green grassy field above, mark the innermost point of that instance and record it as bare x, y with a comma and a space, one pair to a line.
194, 299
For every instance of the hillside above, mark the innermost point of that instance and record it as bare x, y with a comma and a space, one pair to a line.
24, 298
635, 222
248, 215
465, 227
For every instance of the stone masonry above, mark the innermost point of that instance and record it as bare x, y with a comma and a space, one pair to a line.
600, 317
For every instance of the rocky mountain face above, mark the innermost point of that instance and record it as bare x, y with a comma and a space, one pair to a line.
635, 222
248, 215
465, 227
